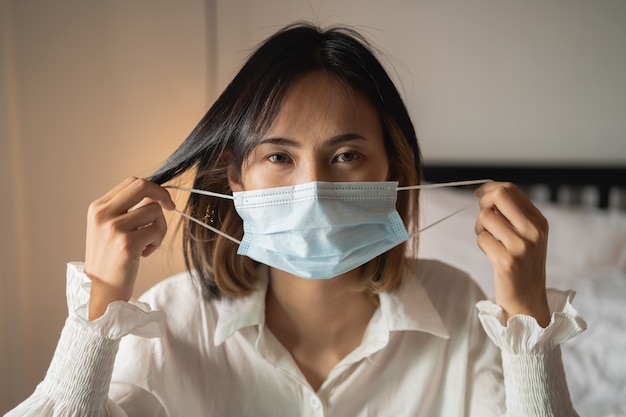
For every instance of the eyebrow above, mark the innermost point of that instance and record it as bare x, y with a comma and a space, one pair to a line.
346, 137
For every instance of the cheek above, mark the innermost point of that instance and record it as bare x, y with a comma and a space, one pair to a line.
254, 178
380, 172
385, 169
252, 182
393, 171
235, 178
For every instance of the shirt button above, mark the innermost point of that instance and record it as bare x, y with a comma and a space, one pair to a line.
315, 402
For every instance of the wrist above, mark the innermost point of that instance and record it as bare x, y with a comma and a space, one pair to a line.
103, 294
539, 311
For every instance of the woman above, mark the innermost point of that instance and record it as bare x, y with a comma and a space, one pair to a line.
317, 310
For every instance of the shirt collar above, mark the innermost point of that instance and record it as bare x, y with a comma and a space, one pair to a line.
409, 309
235, 314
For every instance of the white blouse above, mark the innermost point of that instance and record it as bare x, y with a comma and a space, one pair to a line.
424, 353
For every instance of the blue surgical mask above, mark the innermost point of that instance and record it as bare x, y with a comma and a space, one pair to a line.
319, 230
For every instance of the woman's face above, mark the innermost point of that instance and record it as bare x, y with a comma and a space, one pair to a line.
324, 131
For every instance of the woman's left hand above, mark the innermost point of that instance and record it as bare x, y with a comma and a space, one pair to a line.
514, 235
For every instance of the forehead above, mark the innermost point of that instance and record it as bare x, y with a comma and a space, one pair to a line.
321, 101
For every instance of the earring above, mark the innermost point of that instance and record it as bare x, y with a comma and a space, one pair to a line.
209, 216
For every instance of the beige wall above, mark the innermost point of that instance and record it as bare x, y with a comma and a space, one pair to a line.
484, 79
92, 92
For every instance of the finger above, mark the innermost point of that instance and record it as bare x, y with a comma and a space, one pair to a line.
513, 205
149, 250
144, 202
495, 194
126, 195
113, 192
490, 186
135, 192
140, 232
153, 235
140, 217
490, 220
492, 247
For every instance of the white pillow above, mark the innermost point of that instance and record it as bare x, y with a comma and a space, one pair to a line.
581, 240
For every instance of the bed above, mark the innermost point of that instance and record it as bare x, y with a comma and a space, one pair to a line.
586, 208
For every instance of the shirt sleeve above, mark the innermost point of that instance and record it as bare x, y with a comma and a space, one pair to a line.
78, 380
534, 378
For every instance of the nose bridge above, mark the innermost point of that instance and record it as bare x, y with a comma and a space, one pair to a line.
315, 168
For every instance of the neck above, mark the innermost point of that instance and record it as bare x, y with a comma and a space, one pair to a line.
318, 321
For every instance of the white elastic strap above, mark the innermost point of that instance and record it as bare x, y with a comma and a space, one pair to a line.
443, 219
443, 184
407, 187
197, 191
211, 228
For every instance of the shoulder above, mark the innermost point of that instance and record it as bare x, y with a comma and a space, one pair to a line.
451, 290
180, 297
436, 275
173, 289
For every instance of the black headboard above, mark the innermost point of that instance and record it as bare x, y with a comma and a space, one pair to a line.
603, 178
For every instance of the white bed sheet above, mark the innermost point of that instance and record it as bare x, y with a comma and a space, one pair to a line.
586, 253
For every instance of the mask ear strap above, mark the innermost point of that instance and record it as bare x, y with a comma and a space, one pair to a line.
211, 228
443, 219
443, 184
203, 192
193, 219
409, 187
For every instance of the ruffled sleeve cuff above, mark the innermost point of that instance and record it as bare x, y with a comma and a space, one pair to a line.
78, 379
522, 334
120, 319
80, 372
534, 378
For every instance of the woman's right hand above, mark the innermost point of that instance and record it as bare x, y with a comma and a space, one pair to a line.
124, 225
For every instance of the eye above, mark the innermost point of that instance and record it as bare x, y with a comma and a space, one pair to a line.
349, 156
279, 158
